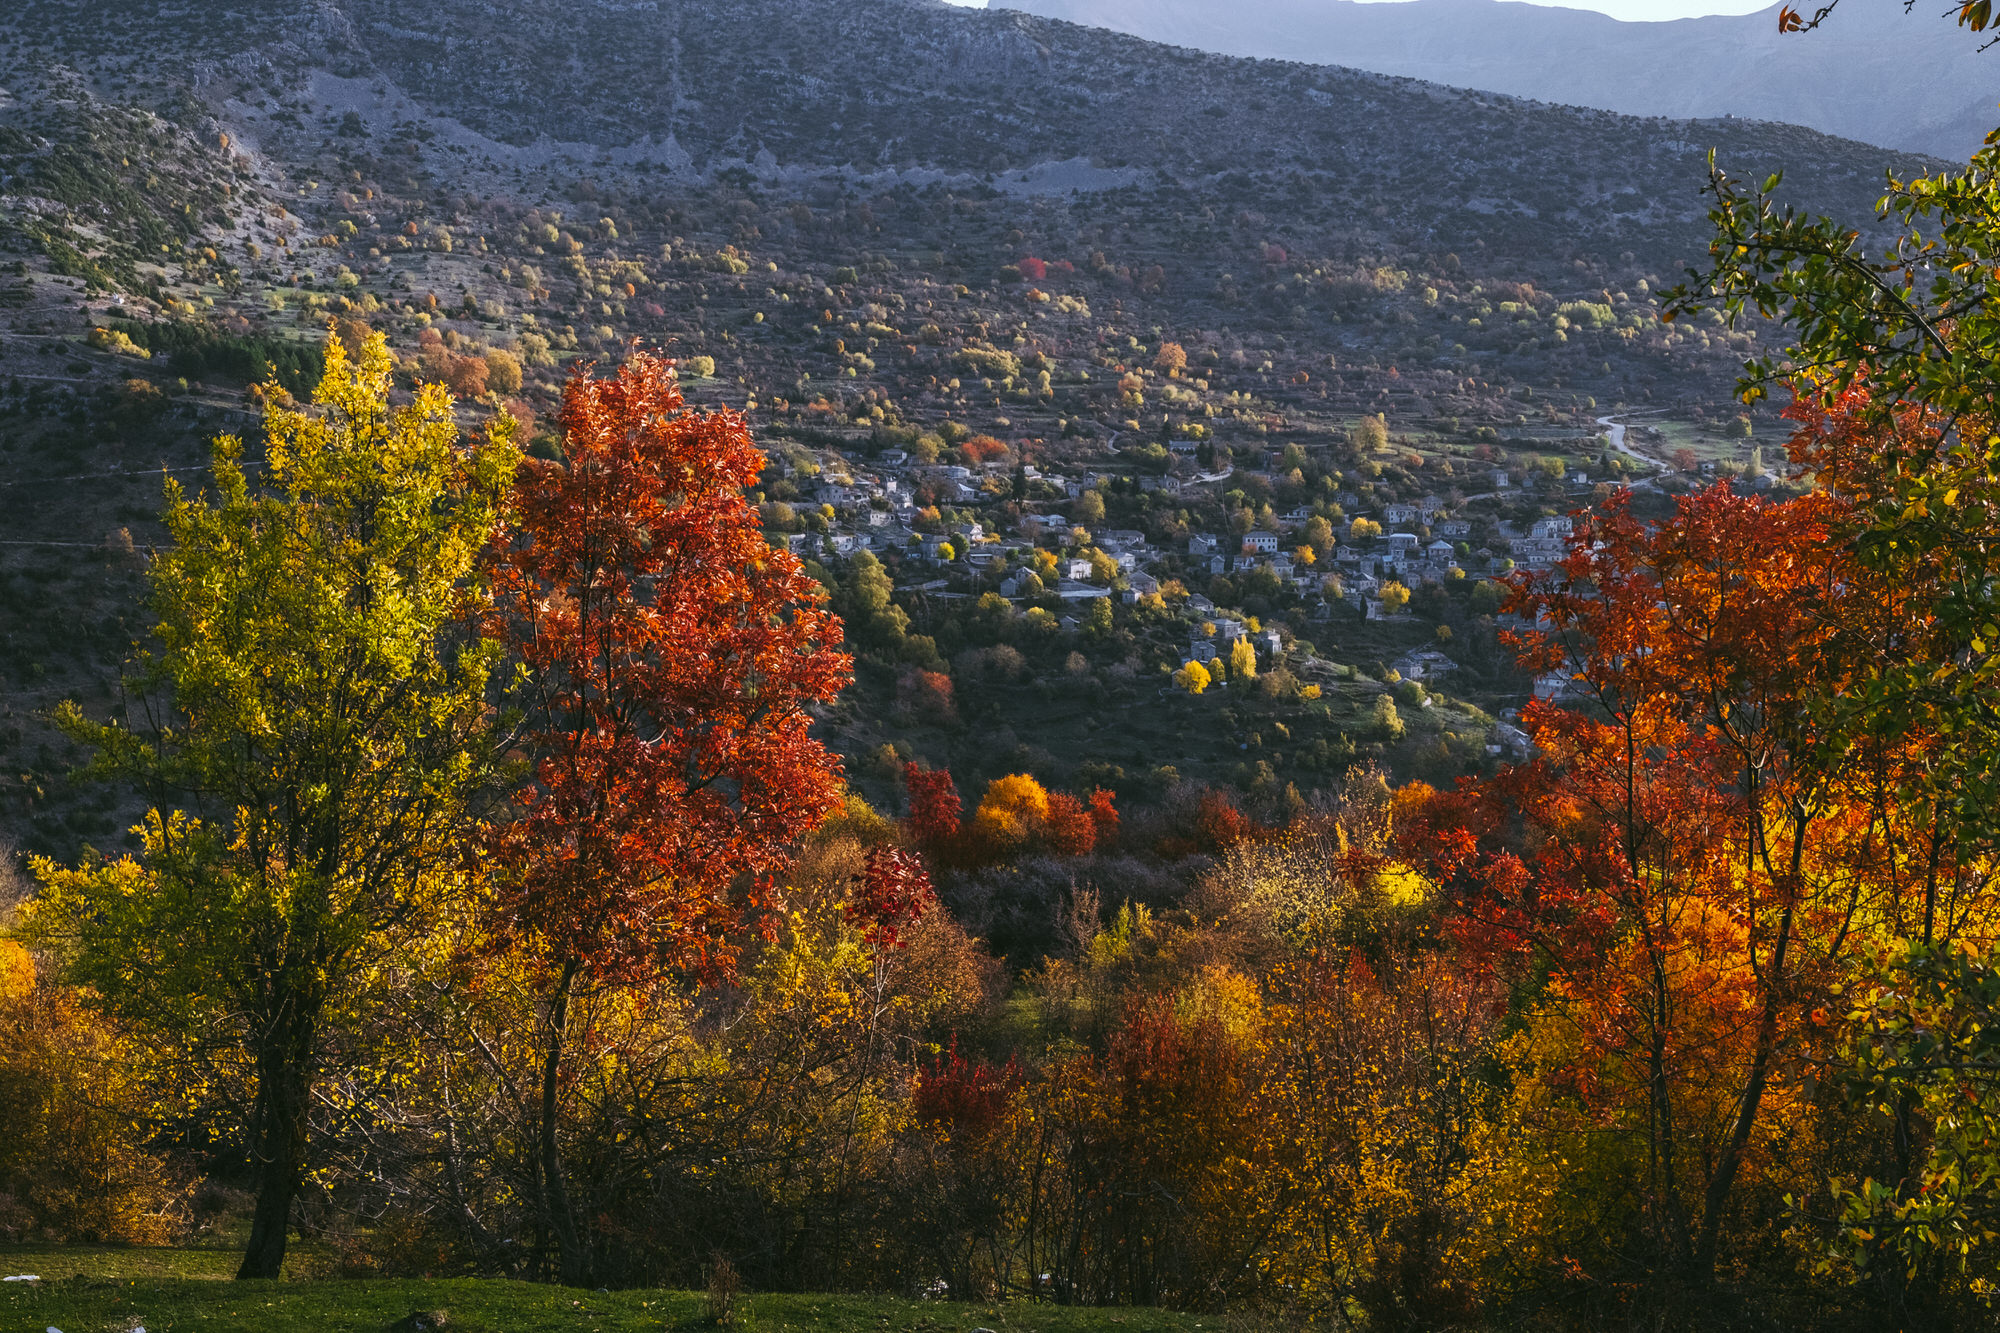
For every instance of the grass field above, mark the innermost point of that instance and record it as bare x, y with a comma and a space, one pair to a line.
101, 1289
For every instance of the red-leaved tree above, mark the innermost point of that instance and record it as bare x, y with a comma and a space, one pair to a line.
670, 659
1703, 842
935, 808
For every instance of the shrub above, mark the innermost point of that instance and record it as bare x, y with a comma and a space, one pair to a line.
117, 341
1387, 721
503, 371
73, 1161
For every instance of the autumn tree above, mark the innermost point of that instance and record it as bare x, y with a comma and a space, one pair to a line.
1104, 814
1704, 846
1071, 829
467, 376
935, 808
671, 659
503, 371
1898, 414
1013, 811
305, 734
1369, 435
74, 1163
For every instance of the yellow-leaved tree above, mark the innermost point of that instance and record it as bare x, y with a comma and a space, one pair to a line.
304, 731
1242, 660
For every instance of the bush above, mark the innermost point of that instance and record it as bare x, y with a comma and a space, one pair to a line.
73, 1162
990, 362
503, 371
117, 341
1387, 721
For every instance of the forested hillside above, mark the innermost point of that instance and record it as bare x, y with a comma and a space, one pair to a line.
893, 649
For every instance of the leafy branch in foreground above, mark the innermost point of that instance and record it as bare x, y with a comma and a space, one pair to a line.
1894, 362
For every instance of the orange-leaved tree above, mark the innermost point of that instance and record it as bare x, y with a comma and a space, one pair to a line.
1704, 845
670, 658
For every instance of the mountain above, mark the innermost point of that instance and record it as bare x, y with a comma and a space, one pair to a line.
917, 91
1872, 72
863, 225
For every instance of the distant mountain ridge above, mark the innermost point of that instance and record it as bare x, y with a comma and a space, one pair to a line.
922, 89
1872, 72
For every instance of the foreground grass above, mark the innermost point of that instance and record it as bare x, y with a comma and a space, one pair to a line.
89, 1289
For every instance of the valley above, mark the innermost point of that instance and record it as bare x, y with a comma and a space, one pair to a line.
1365, 326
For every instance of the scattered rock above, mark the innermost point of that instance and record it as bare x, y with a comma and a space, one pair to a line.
422, 1321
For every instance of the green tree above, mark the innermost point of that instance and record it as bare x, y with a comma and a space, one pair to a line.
1387, 721
863, 601
306, 733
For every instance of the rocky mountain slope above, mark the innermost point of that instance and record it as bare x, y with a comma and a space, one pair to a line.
1874, 72
915, 90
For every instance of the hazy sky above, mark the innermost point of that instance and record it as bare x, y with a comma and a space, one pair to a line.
1632, 10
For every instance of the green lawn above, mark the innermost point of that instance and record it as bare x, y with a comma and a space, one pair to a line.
102, 1289
1707, 444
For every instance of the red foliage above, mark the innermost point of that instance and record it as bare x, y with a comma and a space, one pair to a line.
983, 449
1218, 823
1070, 829
890, 895
1033, 269
935, 809
1165, 1069
670, 655
965, 1096
1105, 815
926, 695
467, 376
1682, 859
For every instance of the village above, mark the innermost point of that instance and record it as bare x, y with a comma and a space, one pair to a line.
1073, 546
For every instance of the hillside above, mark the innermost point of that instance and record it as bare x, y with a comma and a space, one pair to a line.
1852, 77
906, 90
971, 237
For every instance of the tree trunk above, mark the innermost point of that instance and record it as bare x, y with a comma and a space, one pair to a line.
572, 1260
1731, 1158
278, 1134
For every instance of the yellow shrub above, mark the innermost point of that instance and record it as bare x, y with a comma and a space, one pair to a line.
112, 340
73, 1164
